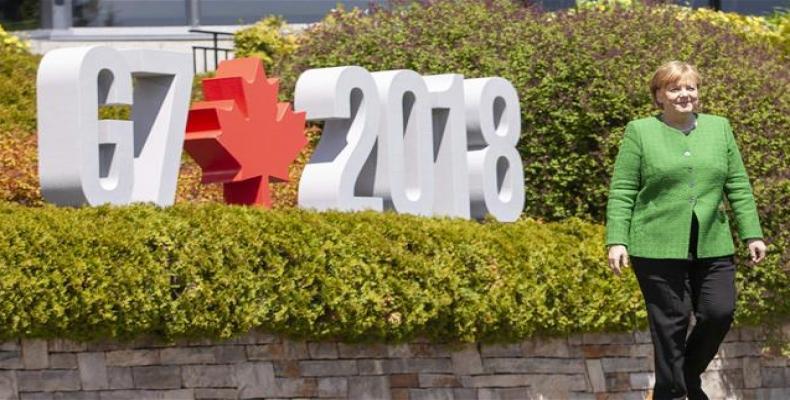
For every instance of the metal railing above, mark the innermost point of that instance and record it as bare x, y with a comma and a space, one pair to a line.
206, 49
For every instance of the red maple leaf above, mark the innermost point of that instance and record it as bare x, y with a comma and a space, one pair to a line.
241, 136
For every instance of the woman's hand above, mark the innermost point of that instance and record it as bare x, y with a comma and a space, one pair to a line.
618, 258
756, 249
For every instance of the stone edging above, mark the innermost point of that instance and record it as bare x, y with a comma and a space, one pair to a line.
259, 365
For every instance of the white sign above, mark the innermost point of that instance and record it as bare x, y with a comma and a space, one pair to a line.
393, 140
435, 145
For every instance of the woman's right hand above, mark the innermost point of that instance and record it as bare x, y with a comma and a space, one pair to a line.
618, 258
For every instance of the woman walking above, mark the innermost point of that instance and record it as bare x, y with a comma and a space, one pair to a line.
666, 214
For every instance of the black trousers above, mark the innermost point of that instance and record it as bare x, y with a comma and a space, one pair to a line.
672, 290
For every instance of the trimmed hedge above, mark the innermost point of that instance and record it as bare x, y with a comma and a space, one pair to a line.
581, 76
218, 271
773, 28
17, 89
210, 270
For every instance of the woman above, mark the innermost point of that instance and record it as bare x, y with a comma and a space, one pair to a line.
666, 213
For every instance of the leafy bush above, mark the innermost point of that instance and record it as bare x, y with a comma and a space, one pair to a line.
17, 86
774, 30
217, 271
581, 75
19, 181
603, 5
19, 176
10, 43
268, 40
18, 172
211, 270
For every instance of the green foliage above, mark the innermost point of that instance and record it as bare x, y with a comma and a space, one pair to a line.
11, 43
218, 271
579, 81
203, 270
581, 75
266, 40
17, 85
773, 29
602, 5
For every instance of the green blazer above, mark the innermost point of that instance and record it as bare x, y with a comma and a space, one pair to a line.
662, 175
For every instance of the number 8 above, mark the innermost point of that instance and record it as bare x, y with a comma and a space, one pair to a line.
493, 124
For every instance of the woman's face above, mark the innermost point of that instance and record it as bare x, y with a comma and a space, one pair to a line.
679, 97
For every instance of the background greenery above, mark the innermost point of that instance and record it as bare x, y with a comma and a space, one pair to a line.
581, 75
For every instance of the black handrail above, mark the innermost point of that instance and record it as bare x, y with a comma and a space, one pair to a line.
216, 49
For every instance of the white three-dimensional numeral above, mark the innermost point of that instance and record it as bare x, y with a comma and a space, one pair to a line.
437, 145
84, 160
493, 124
340, 174
404, 167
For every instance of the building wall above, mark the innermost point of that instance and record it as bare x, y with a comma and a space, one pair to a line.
229, 12
259, 365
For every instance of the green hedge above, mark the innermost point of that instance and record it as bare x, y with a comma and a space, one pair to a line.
269, 39
219, 271
17, 91
581, 76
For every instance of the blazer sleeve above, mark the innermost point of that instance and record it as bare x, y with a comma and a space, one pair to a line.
739, 191
624, 188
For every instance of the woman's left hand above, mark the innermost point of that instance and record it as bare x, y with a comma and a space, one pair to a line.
756, 249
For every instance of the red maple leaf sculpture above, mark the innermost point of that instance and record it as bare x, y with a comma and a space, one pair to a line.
241, 136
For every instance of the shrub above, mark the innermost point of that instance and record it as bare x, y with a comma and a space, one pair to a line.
775, 30
581, 75
18, 172
19, 181
17, 86
10, 43
268, 40
218, 271
391, 277
603, 5
772, 29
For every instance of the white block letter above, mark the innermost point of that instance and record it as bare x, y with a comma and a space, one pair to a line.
163, 82
451, 193
405, 177
496, 174
341, 172
82, 159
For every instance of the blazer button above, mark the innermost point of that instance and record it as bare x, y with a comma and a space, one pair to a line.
688, 153
691, 200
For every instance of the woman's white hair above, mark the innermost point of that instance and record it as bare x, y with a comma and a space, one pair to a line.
671, 72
